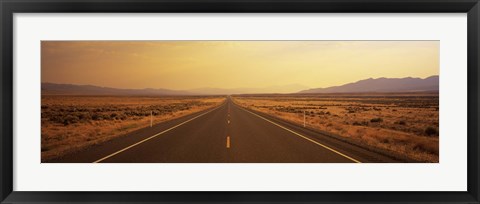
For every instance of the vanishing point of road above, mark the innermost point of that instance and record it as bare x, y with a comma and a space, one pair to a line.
227, 133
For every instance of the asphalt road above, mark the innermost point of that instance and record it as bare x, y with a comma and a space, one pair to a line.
225, 134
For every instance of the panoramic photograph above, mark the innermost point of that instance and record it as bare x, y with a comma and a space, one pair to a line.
240, 101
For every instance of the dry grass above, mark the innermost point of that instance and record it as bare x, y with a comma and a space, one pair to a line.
71, 123
403, 124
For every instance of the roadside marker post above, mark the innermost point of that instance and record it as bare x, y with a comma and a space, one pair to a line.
228, 142
151, 118
304, 125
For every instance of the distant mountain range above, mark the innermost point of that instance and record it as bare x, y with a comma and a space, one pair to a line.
71, 89
407, 84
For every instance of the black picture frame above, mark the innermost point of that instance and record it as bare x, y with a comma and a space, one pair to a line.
10, 7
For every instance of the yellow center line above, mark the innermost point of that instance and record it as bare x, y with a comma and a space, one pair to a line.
228, 142
153, 136
304, 137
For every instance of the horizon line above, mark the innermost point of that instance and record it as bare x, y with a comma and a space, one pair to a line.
206, 87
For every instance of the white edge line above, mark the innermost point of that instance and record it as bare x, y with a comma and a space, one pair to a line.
304, 137
153, 136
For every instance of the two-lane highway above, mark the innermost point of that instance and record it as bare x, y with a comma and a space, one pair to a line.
225, 134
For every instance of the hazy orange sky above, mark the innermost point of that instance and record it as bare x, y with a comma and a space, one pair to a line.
233, 64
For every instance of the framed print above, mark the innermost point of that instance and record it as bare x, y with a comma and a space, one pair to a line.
239, 101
